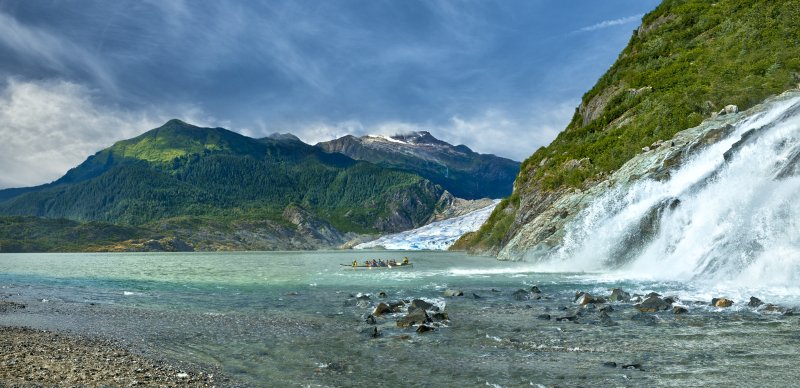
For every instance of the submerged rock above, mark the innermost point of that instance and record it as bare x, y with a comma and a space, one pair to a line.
424, 328
643, 318
544, 317
8, 306
536, 290
653, 304
677, 310
451, 293
371, 320
522, 294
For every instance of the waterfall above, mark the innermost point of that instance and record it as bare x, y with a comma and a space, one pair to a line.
731, 212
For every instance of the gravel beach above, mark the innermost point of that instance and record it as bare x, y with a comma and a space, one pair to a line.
33, 358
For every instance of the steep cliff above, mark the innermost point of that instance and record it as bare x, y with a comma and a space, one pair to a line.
686, 63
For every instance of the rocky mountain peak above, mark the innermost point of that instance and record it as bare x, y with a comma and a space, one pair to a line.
418, 137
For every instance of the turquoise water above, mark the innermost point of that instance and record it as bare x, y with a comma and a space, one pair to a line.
294, 319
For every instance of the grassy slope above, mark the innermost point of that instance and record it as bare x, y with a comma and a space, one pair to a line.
691, 59
32, 234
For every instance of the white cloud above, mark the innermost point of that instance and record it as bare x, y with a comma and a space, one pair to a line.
49, 127
492, 131
613, 22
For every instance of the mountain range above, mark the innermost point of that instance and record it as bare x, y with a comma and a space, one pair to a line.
182, 187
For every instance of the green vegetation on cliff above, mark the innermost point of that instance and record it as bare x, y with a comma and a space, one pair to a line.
687, 61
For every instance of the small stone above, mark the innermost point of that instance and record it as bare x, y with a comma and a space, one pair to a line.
371, 320
381, 294
544, 317
182, 375
755, 302
610, 364
536, 290
633, 367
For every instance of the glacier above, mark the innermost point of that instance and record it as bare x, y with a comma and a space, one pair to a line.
438, 235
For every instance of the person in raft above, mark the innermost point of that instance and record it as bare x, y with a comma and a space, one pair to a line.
367, 264
374, 263
355, 263
405, 260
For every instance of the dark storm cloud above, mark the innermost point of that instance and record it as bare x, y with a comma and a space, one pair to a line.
502, 77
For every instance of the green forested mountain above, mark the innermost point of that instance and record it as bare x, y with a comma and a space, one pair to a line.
212, 176
687, 61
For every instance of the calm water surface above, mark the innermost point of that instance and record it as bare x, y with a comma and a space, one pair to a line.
293, 319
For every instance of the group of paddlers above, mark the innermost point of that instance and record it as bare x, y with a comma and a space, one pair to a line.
381, 263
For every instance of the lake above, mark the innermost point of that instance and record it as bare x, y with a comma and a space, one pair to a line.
299, 319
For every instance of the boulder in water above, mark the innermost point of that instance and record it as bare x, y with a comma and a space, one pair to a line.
371, 320
451, 293
755, 302
618, 295
544, 317
419, 304
653, 304
380, 309
584, 298
536, 290
382, 294
721, 302
417, 317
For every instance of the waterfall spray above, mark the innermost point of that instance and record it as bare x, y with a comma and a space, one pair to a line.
729, 212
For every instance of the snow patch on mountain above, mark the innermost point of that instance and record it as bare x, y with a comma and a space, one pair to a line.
434, 236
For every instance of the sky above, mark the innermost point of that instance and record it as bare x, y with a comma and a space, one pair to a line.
500, 76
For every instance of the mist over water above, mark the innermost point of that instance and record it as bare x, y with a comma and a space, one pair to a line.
728, 215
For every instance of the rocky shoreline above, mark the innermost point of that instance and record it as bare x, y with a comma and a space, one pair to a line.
36, 358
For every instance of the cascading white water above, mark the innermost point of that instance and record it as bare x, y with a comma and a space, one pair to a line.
714, 219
